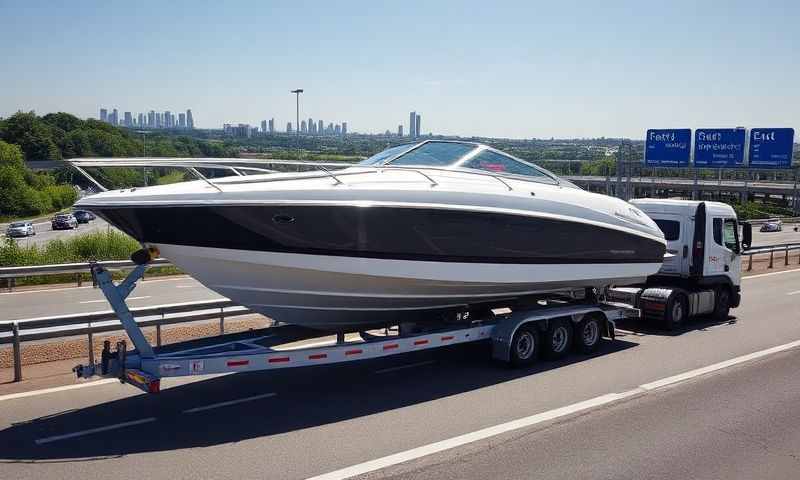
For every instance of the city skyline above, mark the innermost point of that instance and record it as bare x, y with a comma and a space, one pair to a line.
152, 119
536, 70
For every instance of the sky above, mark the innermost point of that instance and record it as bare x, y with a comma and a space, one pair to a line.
515, 69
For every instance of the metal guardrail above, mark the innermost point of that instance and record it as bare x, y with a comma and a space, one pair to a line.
784, 248
12, 273
19, 331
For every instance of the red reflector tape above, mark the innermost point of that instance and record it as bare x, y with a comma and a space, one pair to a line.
278, 359
420, 342
448, 337
354, 352
238, 363
391, 346
155, 386
318, 356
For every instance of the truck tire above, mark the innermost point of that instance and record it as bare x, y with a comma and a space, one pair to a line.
524, 346
677, 311
557, 339
722, 304
589, 333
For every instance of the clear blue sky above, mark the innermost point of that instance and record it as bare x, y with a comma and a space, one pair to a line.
514, 69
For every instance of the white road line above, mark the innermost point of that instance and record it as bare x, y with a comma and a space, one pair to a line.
228, 403
42, 441
186, 286
104, 300
485, 433
794, 270
403, 367
181, 278
794, 293
44, 391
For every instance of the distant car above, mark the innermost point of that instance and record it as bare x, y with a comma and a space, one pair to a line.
21, 229
84, 216
772, 226
64, 221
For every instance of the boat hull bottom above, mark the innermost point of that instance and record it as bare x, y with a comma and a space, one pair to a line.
349, 293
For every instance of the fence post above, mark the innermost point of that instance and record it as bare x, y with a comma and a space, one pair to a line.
771, 255
11, 283
786, 259
750, 263
158, 330
17, 353
79, 279
221, 320
91, 345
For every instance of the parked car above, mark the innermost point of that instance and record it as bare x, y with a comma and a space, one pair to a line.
773, 225
64, 221
84, 216
21, 229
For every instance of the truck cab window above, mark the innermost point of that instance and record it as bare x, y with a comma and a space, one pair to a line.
718, 231
730, 234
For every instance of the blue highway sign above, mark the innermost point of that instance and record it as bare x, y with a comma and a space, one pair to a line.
719, 147
771, 147
668, 147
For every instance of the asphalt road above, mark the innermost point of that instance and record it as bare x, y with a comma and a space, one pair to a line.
298, 424
44, 232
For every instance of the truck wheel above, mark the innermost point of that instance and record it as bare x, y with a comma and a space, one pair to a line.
677, 311
558, 339
524, 346
722, 305
589, 333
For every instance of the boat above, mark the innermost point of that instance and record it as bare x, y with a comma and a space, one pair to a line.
413, 232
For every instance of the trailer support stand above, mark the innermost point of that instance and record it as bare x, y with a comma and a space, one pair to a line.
116, 295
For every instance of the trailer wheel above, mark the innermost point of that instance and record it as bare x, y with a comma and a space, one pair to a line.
524, 346
677, 311
722, 304
557, 339
589, 333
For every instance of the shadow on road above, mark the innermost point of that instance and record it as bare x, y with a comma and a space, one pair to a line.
309, 398
650, 327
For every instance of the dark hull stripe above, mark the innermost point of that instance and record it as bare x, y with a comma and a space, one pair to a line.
397, 233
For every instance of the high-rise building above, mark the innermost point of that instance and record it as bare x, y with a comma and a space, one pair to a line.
128, 119
337, 130
103, 115
263, 126
400, 130
311, 126
113, 118
303, 127
288, 127
271, 125
344, 128
189, 119
182, 120
412, 121
320, 127
151, 119
167, 117
140, 120
418, 131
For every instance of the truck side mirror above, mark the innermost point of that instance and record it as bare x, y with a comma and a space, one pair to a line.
747, 235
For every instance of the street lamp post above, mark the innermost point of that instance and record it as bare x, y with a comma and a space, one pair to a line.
297, 92
144, 153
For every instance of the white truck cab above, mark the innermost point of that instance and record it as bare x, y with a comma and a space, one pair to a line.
702, 272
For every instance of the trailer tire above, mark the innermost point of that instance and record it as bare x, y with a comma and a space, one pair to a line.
557, 340
722, 304
677, 311
524, 346
589, 333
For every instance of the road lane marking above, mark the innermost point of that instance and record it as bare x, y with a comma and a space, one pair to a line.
748, 277
42, 441
179, 278
33, 393
794, 293
404, 367
128, 299
436, 447
186, 286
228, 403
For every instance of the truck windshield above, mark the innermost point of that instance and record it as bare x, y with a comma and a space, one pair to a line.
671, 229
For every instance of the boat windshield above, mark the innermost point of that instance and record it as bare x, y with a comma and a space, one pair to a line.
461, 155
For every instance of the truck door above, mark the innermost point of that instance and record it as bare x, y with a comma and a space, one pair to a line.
722, 252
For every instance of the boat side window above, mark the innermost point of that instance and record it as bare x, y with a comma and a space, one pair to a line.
490, 161
730, 235
718, 231
671, 229
434, 154
384, 155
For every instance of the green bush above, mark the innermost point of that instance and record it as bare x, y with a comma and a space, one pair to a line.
108, 245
